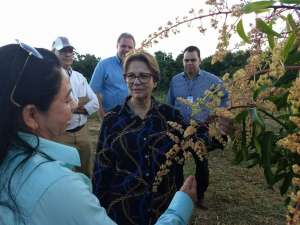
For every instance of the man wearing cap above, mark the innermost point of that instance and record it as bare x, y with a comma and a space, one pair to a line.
107, 80
77, 132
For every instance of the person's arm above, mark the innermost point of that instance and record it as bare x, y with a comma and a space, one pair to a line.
97, 83
170, 95
181, 206
93, 104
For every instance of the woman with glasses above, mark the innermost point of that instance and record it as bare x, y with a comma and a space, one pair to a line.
132, 146
37, 184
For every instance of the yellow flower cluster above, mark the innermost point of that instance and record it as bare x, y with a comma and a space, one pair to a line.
214, 131
223, 38
223, 112
253, 64
294, 96
291, 142
181, 150
239, 88
277, 67
237, 10
293, 216
295, 120
264, 80
211, 100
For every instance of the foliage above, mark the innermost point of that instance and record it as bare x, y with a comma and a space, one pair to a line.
85, 64
168, 68
264, 95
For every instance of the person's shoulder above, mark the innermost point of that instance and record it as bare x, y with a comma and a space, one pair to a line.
177, 77
211, 76
36, 176
78, 75
108, 60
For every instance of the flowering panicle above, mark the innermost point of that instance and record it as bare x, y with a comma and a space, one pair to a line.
185, 142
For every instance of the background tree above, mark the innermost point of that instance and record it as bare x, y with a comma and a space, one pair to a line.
85, 64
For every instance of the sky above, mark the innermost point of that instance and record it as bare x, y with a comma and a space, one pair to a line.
93, 26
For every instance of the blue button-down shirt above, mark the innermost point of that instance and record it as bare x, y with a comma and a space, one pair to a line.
47, 192
182, 86
108, 81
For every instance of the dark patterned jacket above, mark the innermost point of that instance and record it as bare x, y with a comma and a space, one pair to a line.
129, 153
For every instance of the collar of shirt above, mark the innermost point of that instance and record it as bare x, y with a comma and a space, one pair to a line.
187, 78
56, 151
126, 109
119, 60
69, 71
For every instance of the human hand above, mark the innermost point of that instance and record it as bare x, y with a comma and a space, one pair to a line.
190, 187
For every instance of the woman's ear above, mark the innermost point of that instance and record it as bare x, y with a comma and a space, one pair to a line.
29, 116
155, 85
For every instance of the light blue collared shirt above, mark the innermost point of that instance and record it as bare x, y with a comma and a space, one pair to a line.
47, 192
182, 86
108, 80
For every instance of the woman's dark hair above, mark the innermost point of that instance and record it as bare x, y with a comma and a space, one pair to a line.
39, 83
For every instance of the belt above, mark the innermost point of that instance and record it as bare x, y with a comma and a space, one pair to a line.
75, 129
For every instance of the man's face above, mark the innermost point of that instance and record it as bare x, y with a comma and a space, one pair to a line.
66, 56
191, 63
124, 46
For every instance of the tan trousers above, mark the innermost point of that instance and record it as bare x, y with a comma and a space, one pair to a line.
81, 141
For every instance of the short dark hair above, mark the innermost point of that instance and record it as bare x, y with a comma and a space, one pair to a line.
192, 49
147, 58
126, 35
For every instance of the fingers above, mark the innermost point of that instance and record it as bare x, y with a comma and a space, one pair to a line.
190, 187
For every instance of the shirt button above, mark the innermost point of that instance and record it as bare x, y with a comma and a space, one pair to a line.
146, 156
145, 139
147, 174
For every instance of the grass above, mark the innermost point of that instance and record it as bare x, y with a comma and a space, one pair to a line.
237, 196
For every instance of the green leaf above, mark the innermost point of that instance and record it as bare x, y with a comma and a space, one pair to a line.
258, 91
257, 118
257, 6
271, 40
240, 30
241, 116
293, 57
292, 22
250, 163
288, 45
267, 141
286, 184
279, 100
257, 146
290, 1
286, 79
265, 28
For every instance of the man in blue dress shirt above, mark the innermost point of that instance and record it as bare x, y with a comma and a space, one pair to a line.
192, 84
107, 80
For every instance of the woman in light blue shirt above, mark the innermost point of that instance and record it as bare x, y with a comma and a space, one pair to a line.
37, 185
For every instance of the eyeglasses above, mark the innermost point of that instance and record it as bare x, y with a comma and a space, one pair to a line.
142, 77
31, 51
66, 50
